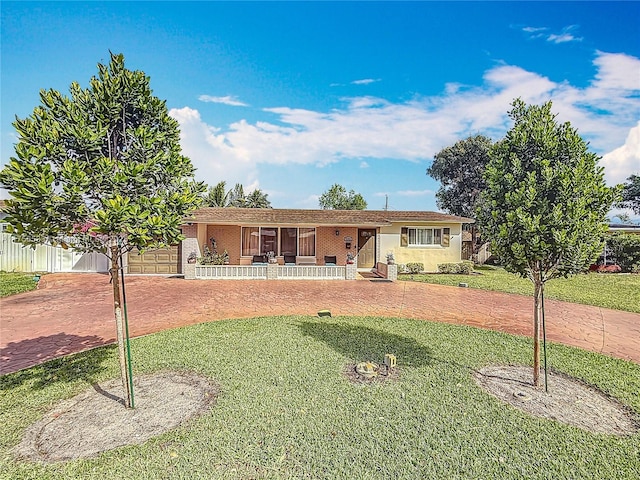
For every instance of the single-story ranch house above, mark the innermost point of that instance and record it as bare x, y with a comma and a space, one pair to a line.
315, 238
305, 244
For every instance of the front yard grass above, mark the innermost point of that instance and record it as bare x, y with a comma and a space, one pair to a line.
12, 283
286, 409
617, 291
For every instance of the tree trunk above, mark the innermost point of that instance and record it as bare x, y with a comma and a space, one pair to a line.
120, 333
537, 316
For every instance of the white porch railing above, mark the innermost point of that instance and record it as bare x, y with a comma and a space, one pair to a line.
271, 272
233, 272
309, 272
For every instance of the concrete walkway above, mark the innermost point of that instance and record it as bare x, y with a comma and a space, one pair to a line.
74, 312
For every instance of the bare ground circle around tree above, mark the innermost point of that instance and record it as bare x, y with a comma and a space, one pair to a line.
96, 420
568, 401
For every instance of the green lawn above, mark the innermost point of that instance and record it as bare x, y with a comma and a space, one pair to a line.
620, 291
12, 283
286, 410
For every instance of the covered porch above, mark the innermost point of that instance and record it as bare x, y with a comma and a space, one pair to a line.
274, 244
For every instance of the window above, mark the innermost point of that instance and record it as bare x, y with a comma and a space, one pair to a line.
292, 241
424, 236
269, 240
307, 242
288, 241
250, 241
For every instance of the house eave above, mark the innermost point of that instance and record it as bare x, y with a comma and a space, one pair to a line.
318, 218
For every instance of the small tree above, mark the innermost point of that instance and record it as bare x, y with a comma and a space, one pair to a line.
545, 205
337, 198
101, 171
460, 169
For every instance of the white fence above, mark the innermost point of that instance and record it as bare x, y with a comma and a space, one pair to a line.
15, 257
483, 254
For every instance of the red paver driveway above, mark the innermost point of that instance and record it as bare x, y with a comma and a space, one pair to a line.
73, 312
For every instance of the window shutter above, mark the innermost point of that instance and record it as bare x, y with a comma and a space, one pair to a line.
446, 233
404, 237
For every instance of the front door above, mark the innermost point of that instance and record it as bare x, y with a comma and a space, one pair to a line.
366, 248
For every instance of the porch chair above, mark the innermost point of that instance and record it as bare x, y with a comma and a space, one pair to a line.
289, 260
259, 260
330, 260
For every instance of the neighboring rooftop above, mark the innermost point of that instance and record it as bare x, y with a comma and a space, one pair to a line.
624, 228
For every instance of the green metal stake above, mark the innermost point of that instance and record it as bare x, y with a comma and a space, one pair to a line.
126, 329
544, 345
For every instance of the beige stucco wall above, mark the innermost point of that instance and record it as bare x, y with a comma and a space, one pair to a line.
430, 256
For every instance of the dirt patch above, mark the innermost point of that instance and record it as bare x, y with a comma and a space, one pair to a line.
96, 420
569, 400
354, 377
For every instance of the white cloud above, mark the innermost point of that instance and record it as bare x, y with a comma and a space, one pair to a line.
228, 100
415, 193
209, 150
563, 37
312, 201
364, 164
624, 161
617, 71
534, 29
367, 127
365, 81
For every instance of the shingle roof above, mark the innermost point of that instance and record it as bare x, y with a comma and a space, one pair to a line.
275, 216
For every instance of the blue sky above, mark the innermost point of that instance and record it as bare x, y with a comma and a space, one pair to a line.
294, 97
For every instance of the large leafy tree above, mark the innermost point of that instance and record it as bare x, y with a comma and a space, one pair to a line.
337, 198
631, 194
101, 170
545, 204
460, 169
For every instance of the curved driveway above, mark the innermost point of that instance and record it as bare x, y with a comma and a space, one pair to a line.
73, 312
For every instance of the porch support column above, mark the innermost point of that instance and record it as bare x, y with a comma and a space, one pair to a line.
190, 248
352, 271
392, 272
272, 271
189, 271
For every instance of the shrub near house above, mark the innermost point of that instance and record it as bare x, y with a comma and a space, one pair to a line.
464, 268
625, 248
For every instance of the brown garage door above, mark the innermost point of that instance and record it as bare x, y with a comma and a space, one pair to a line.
163, 260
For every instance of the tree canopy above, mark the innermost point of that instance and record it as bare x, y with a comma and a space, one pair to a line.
631, 194
218, 196
100, 170
546, 202
337, 198
460, 169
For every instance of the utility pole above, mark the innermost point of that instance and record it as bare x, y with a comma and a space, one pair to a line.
386, 202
